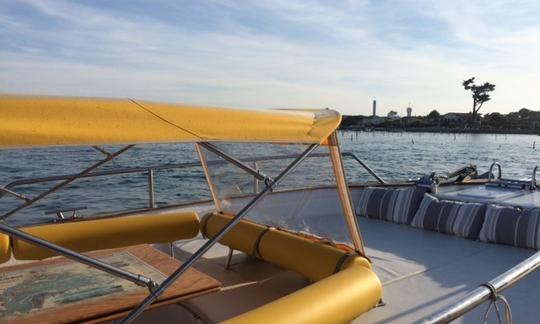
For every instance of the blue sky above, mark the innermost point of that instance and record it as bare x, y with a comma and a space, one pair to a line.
338, 54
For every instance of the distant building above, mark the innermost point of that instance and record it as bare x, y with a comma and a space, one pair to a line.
409, 112
373, 121
455, 117
374, 108
392, 115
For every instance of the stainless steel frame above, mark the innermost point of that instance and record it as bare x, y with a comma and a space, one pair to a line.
533, 178
344, 194
13, 232
208, 244
151, 194
209, 181
490, 175
150, 170
135, 278
256, 173
482, 293
68, 180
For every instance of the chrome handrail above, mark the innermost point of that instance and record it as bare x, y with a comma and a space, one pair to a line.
533, 178
150, 171
481, 294
490, 176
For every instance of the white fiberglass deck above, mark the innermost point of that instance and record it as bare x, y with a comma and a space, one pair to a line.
424, 271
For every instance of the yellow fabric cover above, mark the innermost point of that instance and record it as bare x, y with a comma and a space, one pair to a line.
311, 259
29, 121
242, 237
339, 298
5, 248
105, 233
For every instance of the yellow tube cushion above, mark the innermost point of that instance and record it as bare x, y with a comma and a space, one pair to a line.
242, 237
106, 233
311, 259
5, 248
339, 298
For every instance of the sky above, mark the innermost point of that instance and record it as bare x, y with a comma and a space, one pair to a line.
276, 54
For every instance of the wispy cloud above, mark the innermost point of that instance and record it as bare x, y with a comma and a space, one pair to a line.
274, 53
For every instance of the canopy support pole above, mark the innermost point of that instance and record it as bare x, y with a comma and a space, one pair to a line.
209, 180
78, 257
64, 183
203, 249
344, 193
256, 173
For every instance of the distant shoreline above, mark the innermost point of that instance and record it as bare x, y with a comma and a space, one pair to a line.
445, 130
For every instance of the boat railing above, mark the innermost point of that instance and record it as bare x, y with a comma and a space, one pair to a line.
533, 178
150, 172
499, 174
484, 292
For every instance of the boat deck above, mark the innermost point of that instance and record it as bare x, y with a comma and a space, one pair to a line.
421, 271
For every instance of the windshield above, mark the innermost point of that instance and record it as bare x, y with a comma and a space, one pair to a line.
315, 211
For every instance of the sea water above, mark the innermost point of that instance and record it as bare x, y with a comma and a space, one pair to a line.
394, 156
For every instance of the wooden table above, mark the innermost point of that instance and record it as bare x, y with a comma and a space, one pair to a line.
59, 290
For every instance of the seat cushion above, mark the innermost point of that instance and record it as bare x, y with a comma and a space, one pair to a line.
450, 217
512, 226
390, 204
312, 259
339, 298
105, 233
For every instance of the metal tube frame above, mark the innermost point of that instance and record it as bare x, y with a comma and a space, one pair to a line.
533, 178
476, 297
13, 193
209, 181
3, 190
66, 181
208, 244
365, 166
135, 278
151, 193
490, 175
344, 194
256, 173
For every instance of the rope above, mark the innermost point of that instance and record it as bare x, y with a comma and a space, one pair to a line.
495, 297
342, 260
204, 230
256, 251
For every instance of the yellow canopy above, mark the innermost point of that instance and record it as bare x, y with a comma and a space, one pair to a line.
28, 121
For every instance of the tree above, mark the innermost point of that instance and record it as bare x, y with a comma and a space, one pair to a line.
434, 114
495, 120
392, 113
480, 94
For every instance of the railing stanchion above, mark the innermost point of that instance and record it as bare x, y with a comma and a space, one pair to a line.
151, 194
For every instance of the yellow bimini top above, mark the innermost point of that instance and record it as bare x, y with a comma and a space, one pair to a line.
28, 121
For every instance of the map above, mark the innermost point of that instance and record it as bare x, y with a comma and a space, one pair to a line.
56, 286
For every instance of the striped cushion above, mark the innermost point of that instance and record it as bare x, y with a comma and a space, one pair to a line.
451, 217
512, 226
394, 205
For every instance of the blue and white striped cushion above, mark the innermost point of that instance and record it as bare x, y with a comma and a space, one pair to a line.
394, 205
451, 217
512, 226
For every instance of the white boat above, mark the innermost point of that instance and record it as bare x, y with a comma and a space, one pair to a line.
433, 250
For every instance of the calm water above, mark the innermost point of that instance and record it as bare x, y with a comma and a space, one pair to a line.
394, 156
